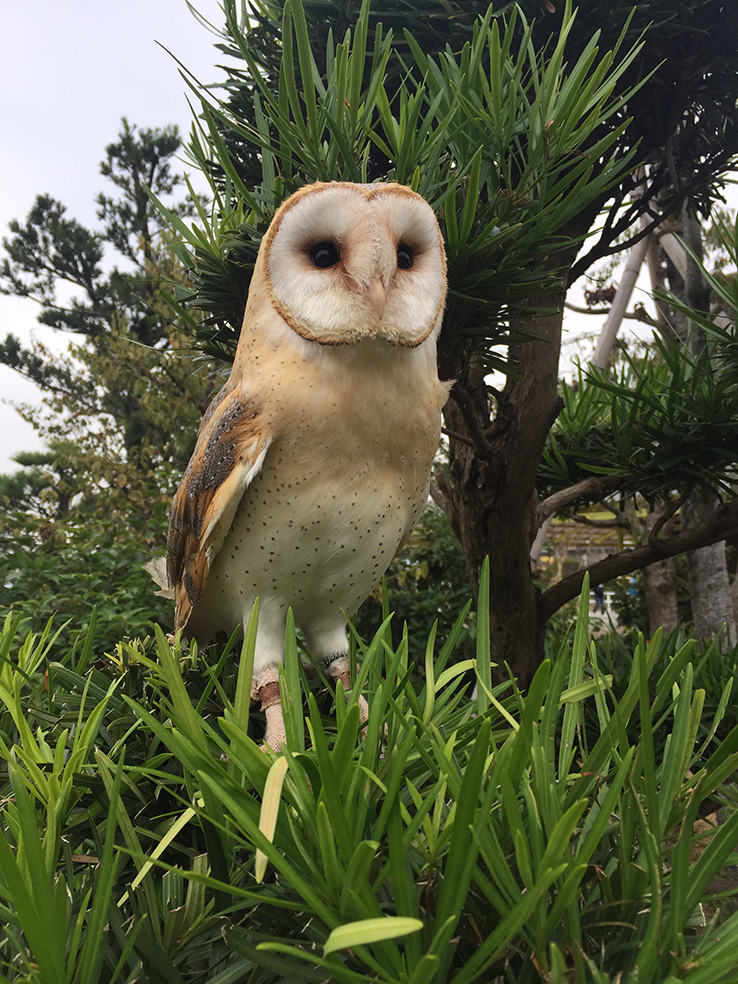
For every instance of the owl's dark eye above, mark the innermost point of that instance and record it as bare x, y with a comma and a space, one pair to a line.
404, 256
324, 255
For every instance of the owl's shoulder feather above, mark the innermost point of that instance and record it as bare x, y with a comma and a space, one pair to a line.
231, 445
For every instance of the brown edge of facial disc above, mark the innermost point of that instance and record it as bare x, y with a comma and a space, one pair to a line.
367, 191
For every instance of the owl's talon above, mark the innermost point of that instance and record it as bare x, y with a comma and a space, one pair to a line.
275, 735
339, 669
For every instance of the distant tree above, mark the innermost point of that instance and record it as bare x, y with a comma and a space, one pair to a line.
67, 564
120, 314
119, 411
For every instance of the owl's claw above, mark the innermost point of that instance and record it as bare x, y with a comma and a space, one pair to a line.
340, 669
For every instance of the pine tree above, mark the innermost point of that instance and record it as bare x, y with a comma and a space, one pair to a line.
120, 410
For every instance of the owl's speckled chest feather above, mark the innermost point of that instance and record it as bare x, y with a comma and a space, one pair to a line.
342, 486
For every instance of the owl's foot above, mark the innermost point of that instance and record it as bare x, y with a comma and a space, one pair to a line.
265, 689
340, 669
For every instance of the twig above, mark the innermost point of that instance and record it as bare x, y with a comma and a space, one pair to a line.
592, 487
630, 315
458, 437
674, 505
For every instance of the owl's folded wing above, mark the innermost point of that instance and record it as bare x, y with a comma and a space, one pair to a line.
229, 453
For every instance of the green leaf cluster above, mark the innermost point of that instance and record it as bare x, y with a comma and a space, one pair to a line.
659, 424
501, 838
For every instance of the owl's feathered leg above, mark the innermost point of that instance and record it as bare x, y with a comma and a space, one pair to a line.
265, 689
340, 669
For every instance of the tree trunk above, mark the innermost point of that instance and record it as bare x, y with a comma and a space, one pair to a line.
491, 498
660, 584
709, 585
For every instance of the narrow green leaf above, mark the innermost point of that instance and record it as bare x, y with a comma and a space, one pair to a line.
367, 931
269, 811
484, 659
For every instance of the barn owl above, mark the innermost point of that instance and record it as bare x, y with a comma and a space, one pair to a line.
312, 463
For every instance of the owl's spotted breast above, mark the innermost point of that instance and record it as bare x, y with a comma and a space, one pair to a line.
341, 487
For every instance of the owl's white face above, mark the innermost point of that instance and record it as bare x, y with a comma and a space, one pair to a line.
345, 262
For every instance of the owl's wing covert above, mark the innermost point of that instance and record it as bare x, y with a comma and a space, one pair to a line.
230, 450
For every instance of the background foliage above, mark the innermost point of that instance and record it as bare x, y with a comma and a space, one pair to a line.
120, 410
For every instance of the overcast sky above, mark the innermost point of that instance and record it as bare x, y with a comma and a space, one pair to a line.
68, 72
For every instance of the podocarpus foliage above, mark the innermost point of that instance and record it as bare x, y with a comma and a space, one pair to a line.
146, 835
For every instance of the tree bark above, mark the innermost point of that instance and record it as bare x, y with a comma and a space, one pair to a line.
492, 499
659, 585
709, 585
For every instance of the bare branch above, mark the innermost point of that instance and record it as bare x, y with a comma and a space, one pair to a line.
608, 506
653, 536
437, 495
602, 524
458, 437
585, 310
630, 315
592, 488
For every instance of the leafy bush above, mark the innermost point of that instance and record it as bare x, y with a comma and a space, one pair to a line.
84, 567
508, 838
715, 669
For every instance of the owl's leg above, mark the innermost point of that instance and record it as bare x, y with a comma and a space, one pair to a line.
328, 643
265, 689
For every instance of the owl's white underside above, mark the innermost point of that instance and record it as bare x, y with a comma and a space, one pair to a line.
333, 501
321, 564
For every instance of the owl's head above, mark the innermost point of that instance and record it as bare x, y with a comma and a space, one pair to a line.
345, 262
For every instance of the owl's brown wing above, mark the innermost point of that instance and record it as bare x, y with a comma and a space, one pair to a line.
230, 450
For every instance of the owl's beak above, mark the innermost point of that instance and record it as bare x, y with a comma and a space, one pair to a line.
378, 297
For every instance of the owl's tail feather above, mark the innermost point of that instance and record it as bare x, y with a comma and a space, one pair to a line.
157, 568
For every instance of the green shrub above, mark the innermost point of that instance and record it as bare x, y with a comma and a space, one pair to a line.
502, 839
